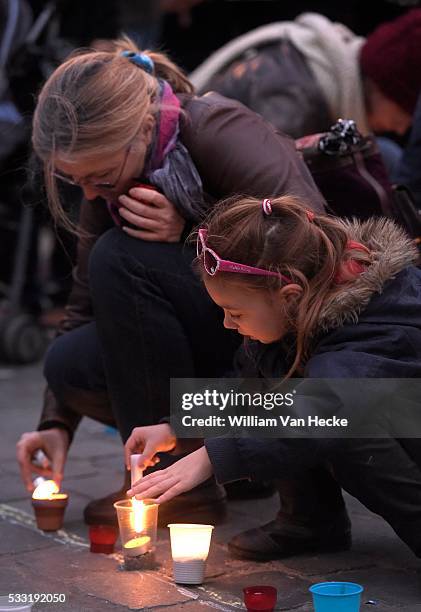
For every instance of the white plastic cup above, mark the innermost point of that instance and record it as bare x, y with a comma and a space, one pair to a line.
189, 572
6, 606
189, 549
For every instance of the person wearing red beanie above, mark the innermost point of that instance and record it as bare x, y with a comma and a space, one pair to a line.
303, 75
390, 60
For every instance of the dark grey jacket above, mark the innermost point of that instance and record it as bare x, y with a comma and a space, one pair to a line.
371, 329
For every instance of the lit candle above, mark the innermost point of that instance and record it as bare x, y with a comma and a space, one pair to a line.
137, 546
137, 520
49, 505
44, 489
140, 544
138, 515
189, 548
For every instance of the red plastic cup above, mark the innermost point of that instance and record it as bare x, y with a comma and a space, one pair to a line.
102, 538
260, 598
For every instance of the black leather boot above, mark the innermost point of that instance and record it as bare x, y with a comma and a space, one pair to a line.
287, 536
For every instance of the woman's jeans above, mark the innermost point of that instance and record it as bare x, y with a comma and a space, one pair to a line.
153, 321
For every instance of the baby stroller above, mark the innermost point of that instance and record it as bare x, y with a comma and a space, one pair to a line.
27, 53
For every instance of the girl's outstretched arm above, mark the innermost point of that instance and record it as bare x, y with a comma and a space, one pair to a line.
182, 476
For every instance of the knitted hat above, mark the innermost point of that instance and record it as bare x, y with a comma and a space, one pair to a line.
391, 57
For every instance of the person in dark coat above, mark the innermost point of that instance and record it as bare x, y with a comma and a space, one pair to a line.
324, 299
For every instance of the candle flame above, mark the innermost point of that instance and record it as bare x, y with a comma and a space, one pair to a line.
46, 490
138, 514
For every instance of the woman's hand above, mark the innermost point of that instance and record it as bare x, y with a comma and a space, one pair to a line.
182, 476
148, 441
54, 443
154, 215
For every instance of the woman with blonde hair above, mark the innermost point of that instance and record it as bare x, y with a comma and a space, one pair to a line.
151, 158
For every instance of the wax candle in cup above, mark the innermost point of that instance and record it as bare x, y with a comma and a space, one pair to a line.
137, 522
260, 598
136, 472
49, 505
189, 549
102, 538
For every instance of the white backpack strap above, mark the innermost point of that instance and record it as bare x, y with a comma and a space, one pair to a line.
272, 32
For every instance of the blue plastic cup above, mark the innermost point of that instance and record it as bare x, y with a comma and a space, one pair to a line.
336, 596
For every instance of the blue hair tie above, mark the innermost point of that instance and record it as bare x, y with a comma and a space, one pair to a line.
141, 60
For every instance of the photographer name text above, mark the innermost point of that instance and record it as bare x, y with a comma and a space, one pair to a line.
255, 421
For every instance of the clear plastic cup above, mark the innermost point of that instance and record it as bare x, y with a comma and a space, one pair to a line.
137, 523
336, 596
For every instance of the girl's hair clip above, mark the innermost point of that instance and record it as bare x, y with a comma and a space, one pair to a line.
140, 59
310, 215
267, 206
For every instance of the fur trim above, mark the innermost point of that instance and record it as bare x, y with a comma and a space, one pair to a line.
392, 251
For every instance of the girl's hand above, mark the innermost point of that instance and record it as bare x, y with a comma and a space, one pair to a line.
182, 476
148, 441
154, 215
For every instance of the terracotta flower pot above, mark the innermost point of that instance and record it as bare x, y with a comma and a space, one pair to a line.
49, 513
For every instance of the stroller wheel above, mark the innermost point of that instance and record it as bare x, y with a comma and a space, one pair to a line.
21, 339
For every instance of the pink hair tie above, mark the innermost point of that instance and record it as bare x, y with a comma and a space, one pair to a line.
310, 215
267, 206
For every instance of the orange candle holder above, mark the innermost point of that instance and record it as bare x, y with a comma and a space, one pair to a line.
49, 505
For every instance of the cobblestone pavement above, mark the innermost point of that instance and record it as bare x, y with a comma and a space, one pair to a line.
34, 562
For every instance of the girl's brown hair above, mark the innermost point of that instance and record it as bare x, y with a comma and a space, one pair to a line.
308, 248
96, 101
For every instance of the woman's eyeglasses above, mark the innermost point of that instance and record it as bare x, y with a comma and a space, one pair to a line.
95, 185
213, 263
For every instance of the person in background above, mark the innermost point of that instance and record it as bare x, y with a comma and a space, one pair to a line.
303, 75
408, 168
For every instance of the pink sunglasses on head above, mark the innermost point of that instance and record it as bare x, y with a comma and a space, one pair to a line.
213, 263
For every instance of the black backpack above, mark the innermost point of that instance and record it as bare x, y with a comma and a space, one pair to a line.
349, 171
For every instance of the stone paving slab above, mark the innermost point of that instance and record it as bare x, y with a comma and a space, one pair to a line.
33, 562
292, 590
14, 540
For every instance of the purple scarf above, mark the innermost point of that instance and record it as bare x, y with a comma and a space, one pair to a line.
169, 166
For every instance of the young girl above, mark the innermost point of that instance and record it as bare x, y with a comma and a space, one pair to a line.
319, 298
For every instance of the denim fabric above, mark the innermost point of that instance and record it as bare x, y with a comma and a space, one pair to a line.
391, 153
153, 321
409, 170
